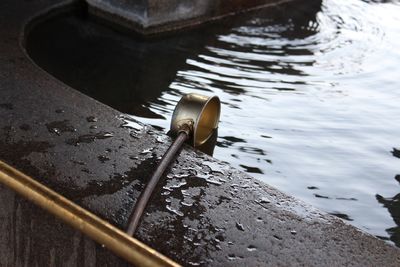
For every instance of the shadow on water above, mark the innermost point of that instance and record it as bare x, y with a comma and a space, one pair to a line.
128, 73
393, 206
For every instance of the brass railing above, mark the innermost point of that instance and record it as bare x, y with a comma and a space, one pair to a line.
125, 246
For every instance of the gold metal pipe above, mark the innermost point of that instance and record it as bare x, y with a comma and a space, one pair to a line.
125, 246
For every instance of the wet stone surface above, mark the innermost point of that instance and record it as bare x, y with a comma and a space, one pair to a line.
59, 127
203, 212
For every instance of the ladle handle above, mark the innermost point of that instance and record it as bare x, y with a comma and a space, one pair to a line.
144, 197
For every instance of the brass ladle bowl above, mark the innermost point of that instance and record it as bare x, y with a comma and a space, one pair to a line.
201, 113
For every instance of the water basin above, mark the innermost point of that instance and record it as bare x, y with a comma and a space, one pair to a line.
309, 95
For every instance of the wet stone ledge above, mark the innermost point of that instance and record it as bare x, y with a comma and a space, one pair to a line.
203, 213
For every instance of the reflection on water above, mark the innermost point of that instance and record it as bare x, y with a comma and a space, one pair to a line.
309, 94
393, 206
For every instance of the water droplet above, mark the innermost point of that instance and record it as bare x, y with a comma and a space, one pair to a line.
214, 166
91, 119
146, 151
134, 135
231, 257
56, 131
187, 238
265, 200
177, 212
129, 122
219, 238
181, 175
239, 226
208, 179
59, 127
106, 135
160, 139
88, 138
186, 204
251, 248
167, 188
165, 193
178, 184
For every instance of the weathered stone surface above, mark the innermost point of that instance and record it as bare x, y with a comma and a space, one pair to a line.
155, 16
204, 212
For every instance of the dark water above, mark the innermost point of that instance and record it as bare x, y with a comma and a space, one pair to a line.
310, 95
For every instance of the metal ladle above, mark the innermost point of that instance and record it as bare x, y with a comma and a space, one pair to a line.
194, 119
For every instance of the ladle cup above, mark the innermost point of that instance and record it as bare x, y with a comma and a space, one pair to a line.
194, 119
